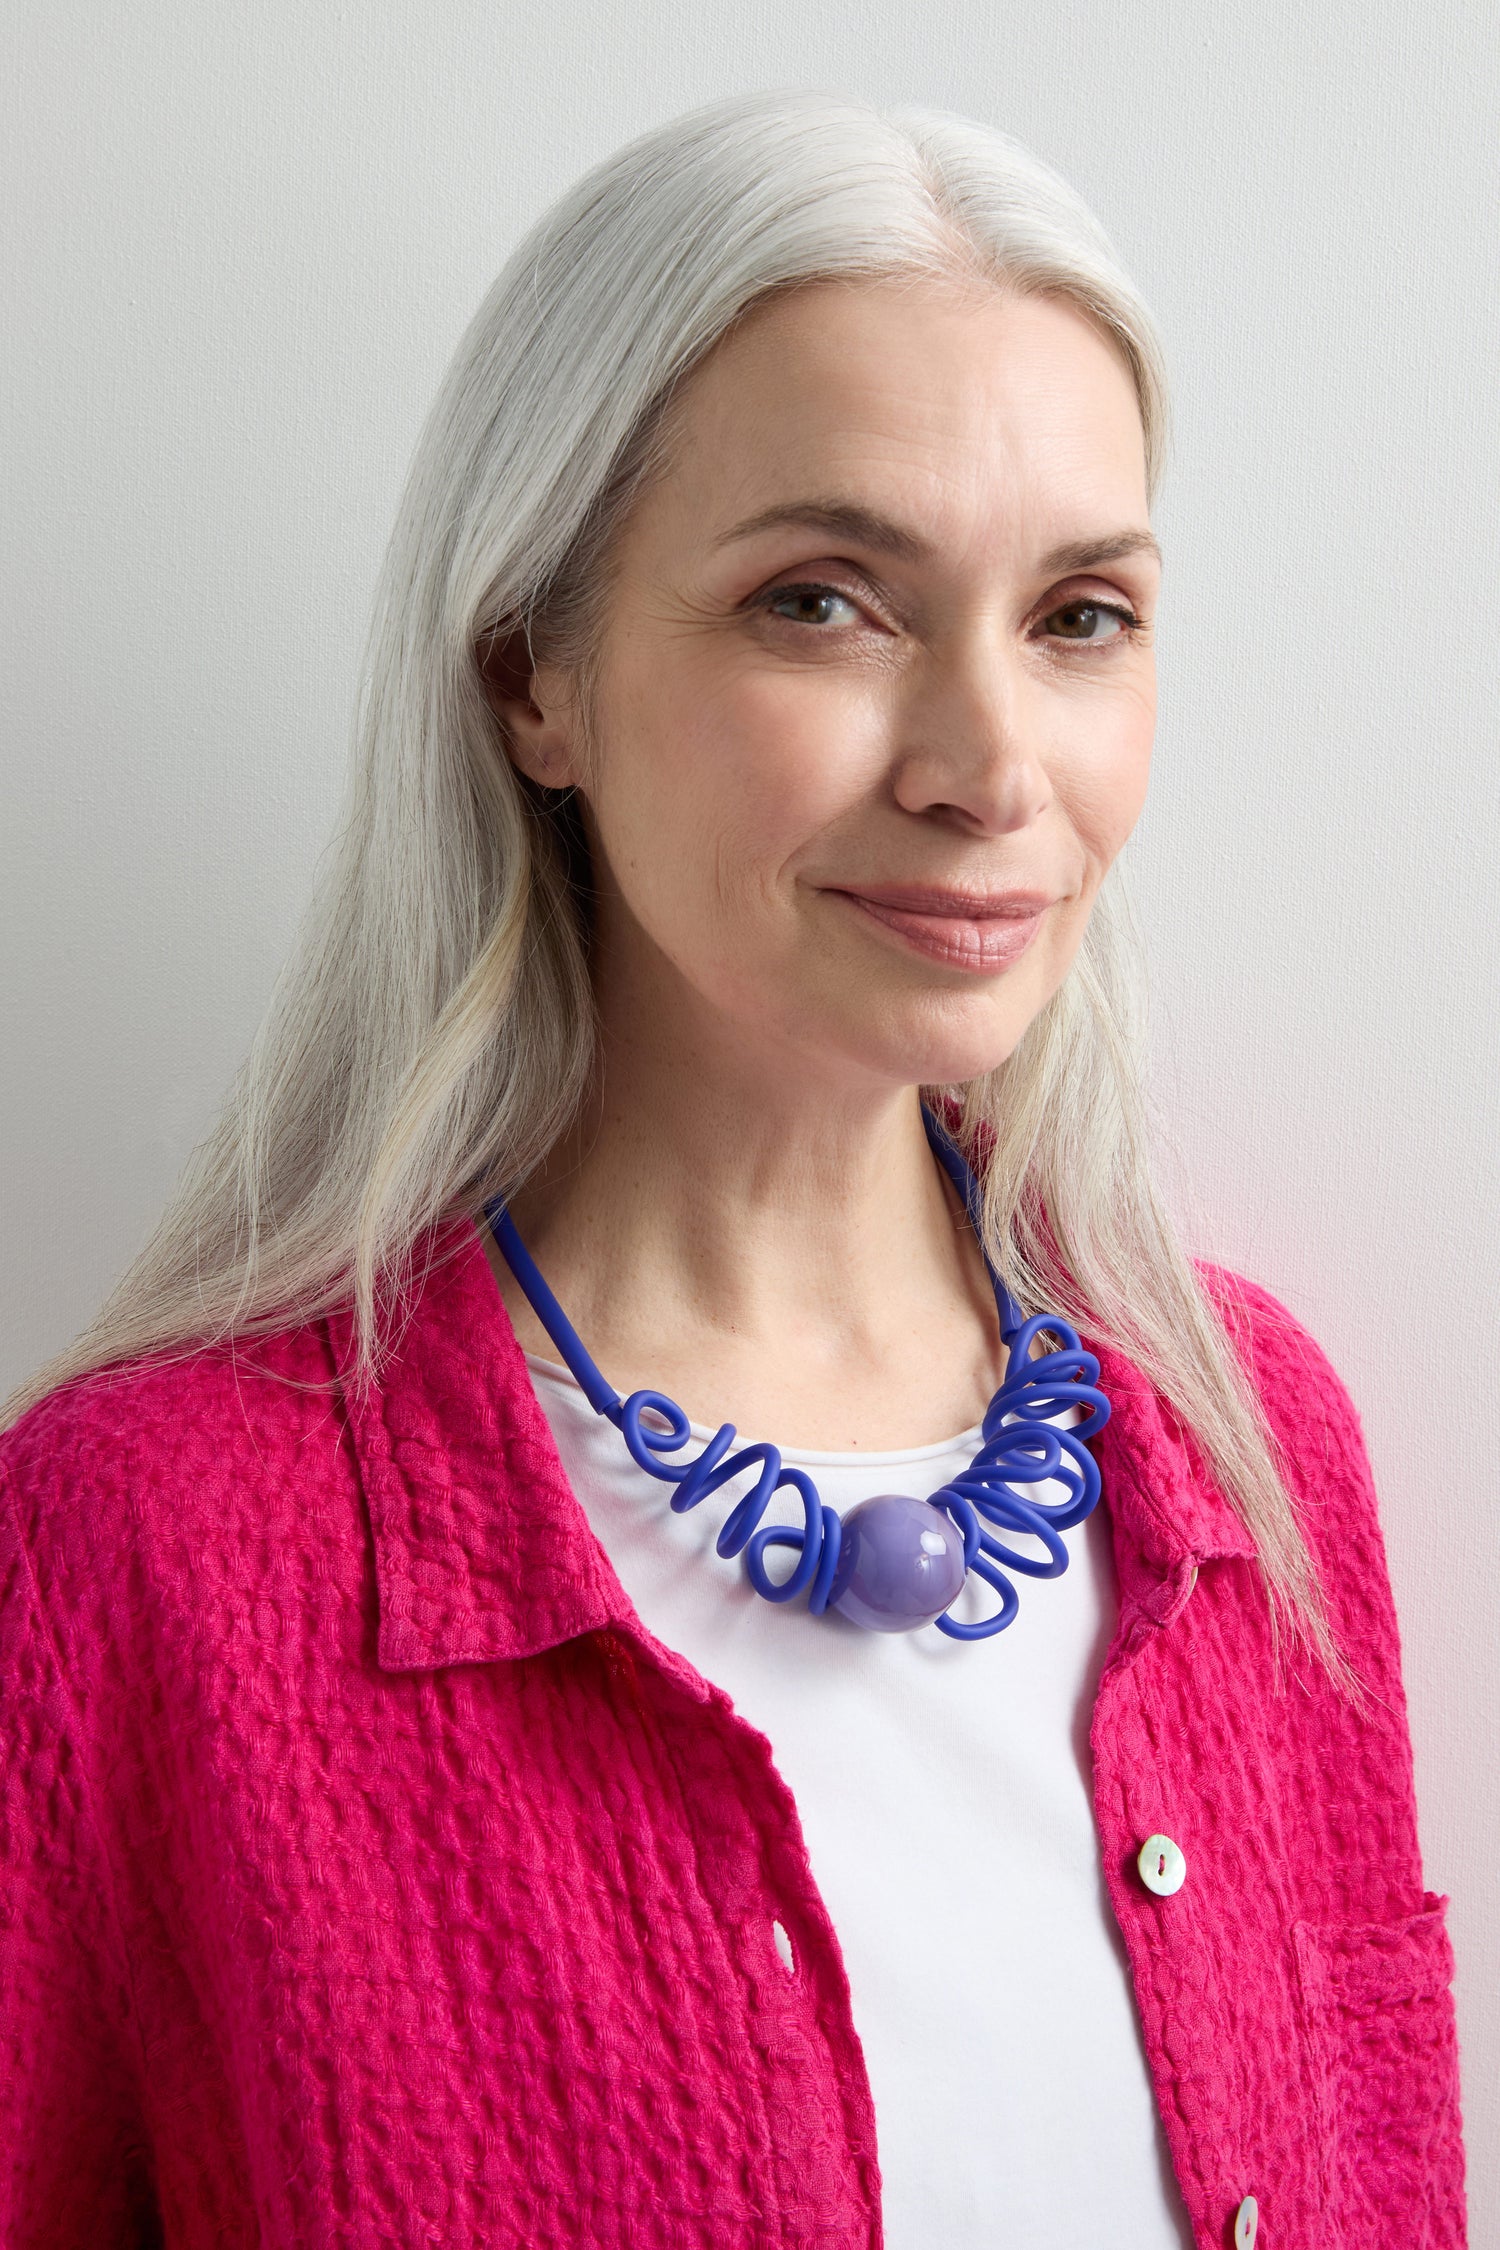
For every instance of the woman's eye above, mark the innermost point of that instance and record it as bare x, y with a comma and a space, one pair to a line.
1080, 622
811, 605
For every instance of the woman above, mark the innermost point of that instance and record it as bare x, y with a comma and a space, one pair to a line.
418, 1832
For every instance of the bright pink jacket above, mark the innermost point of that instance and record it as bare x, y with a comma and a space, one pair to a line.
371, 1876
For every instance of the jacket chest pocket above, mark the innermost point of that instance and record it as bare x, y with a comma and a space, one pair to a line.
1385, 2078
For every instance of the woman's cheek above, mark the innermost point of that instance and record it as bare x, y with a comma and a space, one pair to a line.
683, 824
771, 772
1104, 791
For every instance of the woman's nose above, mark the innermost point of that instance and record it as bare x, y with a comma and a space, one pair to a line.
972, 746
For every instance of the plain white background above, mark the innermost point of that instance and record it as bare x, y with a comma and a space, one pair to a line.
246, 240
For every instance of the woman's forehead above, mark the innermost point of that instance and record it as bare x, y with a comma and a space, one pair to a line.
924, 404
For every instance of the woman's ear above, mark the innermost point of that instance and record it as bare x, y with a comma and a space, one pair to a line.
531, 703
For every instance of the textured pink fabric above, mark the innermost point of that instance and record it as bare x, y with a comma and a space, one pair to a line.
371, 1876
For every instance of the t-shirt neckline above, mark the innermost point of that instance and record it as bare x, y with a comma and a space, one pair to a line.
966, 1441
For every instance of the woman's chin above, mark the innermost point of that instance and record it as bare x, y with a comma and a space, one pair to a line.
924, 1025
941, 1043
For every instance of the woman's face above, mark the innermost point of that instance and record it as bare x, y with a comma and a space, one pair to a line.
876, 657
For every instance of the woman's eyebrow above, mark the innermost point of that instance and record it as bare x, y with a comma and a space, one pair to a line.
1081, 554
848, 519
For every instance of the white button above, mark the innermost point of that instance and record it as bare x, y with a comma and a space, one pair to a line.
1246, 2224
783, 1946
1163, 1868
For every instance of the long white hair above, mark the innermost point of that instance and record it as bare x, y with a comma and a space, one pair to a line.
433, 1032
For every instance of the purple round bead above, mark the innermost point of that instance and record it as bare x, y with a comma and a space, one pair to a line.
901, 1562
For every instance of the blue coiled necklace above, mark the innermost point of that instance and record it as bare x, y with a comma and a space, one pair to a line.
894, 1562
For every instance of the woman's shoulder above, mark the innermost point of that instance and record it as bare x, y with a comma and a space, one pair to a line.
1281, 1350
163, 1459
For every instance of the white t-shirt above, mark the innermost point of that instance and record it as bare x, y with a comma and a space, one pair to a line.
943, 1792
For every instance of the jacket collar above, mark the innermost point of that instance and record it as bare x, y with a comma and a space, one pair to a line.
482, 1550
1167, 1512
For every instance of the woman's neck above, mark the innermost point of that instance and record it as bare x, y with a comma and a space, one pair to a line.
765, 1239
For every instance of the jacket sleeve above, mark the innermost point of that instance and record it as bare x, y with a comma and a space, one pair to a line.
75, 2166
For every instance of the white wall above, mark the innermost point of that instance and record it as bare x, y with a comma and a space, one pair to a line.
248, 238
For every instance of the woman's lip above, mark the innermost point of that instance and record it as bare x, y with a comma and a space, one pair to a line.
973, 934
929, 898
